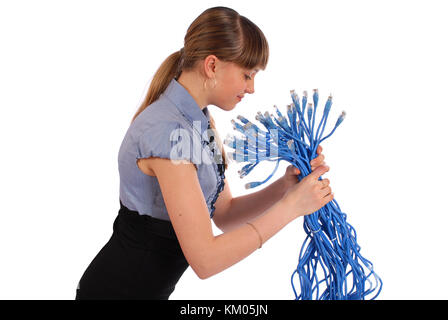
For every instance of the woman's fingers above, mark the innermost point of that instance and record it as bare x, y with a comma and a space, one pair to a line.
325, 182
326, 191
293, 170
316, 162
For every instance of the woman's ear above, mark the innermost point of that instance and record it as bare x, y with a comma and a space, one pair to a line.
210, 64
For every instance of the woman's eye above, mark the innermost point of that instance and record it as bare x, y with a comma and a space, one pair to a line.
247, 77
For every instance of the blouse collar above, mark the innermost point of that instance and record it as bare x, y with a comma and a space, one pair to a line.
186, 104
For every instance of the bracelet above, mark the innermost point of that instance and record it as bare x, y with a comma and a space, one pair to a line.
259, 236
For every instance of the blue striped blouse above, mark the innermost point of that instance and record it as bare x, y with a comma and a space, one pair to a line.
173, 127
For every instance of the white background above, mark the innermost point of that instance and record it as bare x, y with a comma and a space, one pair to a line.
72, 75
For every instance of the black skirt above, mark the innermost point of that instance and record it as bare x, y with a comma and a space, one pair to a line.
141, 260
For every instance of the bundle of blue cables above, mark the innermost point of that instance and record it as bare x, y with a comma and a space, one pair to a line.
330, 265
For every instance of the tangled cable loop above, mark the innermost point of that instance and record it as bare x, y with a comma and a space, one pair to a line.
330, 265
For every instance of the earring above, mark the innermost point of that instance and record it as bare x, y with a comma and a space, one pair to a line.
214, 84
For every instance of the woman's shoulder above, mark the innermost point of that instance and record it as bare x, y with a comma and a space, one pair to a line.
165, 137
159, 118
160, 111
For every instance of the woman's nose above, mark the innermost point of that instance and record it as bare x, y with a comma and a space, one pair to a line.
250, 87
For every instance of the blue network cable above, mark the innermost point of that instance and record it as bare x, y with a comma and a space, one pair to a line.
330, 265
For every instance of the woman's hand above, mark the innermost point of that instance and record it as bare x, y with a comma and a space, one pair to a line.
291, 173
309, 195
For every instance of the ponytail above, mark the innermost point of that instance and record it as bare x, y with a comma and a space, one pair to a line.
162, 78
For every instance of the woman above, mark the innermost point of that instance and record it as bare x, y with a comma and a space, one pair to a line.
172, 178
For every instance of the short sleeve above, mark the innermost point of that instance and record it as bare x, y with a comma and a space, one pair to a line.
168, 140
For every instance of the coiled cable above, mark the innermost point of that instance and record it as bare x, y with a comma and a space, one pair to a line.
330, 265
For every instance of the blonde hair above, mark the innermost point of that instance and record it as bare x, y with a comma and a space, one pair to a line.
218, 31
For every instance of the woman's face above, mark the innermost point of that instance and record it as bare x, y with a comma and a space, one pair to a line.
232, 83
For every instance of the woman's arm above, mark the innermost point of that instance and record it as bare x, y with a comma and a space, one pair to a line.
232, 212
208, 254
